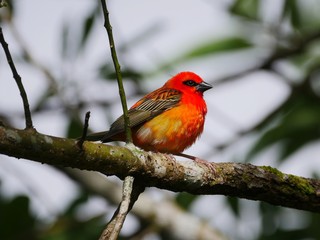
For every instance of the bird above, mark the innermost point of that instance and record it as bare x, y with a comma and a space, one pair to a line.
168, 120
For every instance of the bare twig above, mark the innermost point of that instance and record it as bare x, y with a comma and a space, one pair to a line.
17, 78
108, 27
85, 130
114, 226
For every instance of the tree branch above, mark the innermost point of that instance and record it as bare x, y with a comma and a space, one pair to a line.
158, 170
17, 78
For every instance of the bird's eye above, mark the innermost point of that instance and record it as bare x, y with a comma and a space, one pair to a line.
190, 83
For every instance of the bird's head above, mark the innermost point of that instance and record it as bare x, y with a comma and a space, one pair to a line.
188, 82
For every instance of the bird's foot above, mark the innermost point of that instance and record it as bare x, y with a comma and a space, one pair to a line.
198, 160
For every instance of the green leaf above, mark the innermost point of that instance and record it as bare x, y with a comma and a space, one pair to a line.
43, 99
75, 127
209, 49
218, 46
234, 204
106, 71
271, 215
16, 220
87, 28
3, 4
69, 226
64, 38
266, 140
291, 9
81, 199
246, 8
299, 125
185, 200
10, 8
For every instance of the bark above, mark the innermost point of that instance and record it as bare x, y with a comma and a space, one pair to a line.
262, 183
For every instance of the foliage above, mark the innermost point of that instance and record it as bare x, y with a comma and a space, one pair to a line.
18, 221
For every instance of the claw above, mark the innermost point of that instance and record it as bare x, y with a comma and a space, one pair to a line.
198, 160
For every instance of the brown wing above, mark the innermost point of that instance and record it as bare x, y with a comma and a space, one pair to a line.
145, 109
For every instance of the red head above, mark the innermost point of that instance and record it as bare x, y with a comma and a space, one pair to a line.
188, 82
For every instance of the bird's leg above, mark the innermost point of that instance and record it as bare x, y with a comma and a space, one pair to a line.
196, 159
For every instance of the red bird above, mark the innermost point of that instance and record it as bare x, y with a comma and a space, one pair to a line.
167, 120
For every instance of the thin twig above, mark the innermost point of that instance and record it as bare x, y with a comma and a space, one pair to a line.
108, 27
85, 130
113, 228
17, 78
130, 193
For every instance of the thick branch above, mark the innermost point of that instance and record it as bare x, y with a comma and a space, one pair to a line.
158, 170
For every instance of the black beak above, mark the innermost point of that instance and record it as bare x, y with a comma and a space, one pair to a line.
202, 87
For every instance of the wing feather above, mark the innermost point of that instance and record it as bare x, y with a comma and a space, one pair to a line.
145, 109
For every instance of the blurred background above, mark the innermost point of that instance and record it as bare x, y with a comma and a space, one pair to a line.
262, 57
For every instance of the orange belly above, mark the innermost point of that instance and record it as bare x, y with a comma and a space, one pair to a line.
171, 132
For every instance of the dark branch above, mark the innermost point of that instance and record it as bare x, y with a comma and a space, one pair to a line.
17, 78
85, 130
157, 170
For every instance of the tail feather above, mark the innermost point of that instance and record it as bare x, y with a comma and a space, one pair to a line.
98, 136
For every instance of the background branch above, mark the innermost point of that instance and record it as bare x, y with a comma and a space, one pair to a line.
166, 216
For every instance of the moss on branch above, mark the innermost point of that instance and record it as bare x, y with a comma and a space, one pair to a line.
157, 170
